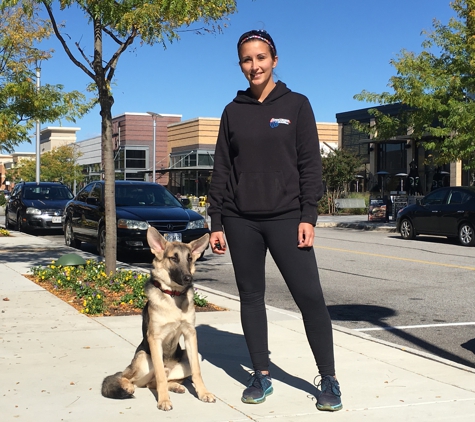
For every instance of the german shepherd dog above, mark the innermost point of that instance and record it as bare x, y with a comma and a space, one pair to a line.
159, 361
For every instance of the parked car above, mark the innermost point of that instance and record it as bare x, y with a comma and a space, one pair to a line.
33, 206
138, 206
448, 211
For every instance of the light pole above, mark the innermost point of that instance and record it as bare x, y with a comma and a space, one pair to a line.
154, 116
38, 76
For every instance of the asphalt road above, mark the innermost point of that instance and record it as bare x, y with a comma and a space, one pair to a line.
418, 294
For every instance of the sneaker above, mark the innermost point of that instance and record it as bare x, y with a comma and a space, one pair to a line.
260, 386
330, 395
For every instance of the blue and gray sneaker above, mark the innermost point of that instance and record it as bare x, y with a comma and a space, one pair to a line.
330, 395
260, 386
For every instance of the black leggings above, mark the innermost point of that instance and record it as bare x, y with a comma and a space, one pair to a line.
248, 242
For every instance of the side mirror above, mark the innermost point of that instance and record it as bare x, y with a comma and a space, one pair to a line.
185, 201
92, 201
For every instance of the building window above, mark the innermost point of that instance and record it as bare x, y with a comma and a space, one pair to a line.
393, 158
355, 142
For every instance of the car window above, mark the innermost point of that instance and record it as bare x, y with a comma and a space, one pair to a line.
436, 197
140, 196
83, 194
31, 193
97, 192
59, 193
459, 197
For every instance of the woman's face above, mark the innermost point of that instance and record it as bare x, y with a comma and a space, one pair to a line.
257, 63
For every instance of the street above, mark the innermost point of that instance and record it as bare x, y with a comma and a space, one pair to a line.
417, 294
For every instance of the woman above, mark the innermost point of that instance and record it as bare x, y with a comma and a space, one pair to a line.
264, 192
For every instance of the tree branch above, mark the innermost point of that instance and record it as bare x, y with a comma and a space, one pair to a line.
110, 67
64, 44
116, 39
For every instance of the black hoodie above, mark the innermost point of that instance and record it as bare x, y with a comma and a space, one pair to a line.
267, 163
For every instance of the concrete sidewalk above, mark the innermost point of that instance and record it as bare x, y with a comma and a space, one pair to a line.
53, 360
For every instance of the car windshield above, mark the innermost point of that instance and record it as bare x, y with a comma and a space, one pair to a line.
48, 193
144, 196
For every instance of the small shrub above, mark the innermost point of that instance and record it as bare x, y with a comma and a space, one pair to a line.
98, 292
199, 300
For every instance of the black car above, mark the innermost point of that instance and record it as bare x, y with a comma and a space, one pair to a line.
34, 206
448, 211
138, 206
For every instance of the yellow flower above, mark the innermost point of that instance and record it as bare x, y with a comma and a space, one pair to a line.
86, 310
84, 303
98, 296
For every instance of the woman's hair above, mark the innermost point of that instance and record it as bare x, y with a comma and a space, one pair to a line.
258, 34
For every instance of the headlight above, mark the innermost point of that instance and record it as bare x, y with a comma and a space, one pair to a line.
132, 224
35, 211
197, 224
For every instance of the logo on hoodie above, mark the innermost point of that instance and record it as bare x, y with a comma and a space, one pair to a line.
276, 122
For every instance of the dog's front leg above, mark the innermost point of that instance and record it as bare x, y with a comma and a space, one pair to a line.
156, 350
191, 347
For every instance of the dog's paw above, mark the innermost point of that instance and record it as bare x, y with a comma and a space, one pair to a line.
176, 387
207, 397
165, 405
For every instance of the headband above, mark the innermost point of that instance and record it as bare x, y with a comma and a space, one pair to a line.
257, 35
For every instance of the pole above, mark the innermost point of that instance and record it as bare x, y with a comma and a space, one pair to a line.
38, 75
154, 148
154, 116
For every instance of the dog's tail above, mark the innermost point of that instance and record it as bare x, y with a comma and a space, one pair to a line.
117, 387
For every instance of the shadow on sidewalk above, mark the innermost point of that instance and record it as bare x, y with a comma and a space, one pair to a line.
376, 314
228, 351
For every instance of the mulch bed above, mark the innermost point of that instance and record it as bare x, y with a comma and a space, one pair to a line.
123, 309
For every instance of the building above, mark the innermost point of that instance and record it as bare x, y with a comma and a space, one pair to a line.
393, 162
134, 145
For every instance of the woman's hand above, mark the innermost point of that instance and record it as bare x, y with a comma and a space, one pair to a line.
217, 242
306, 235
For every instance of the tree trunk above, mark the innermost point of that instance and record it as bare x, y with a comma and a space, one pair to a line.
109, 191
106, 101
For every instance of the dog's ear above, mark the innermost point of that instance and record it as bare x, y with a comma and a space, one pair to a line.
155, 240
198, 246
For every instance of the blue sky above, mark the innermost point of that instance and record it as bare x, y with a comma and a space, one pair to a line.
328, 51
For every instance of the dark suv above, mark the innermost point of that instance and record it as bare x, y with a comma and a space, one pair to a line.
138, 206
34, 205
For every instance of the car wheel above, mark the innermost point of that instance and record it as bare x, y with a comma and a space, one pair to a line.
18, 224
8, 225
466, 235
101, 242
69, 239
407, 230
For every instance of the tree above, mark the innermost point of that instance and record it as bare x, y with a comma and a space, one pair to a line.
436, 90
58, 165
121, 22
20, 102
338, 169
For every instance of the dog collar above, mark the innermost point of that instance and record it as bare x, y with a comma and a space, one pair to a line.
172, 293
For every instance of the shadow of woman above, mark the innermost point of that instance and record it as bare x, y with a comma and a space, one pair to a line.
228, 351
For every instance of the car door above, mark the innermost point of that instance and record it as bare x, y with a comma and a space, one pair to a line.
94, 211
454, 211
427, 219
13, 203
76, 211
